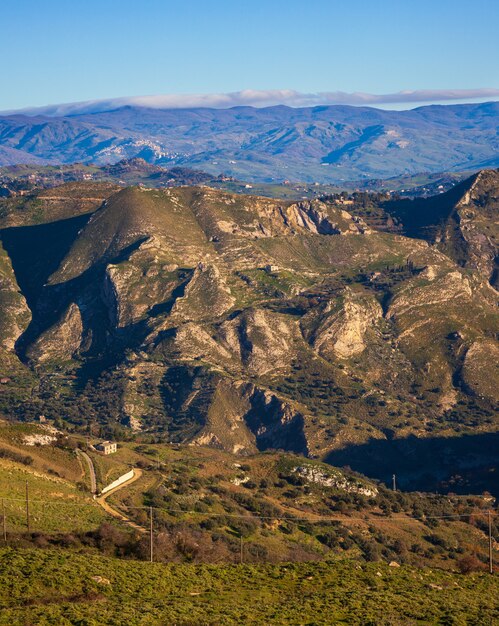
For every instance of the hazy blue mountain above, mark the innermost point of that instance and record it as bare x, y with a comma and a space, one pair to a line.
326, 143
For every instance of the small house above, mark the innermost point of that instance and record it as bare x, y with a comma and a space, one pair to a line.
107, 447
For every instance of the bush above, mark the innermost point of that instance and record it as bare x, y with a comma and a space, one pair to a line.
470, 563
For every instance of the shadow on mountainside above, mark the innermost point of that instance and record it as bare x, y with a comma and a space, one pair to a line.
37, 251
465, 464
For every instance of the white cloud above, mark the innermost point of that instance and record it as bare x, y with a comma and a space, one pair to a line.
262, 98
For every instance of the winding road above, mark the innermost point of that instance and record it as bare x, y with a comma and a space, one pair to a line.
137, 473
101, 500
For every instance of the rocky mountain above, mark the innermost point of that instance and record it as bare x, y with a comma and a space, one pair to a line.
246, 323
325, 143
463, 222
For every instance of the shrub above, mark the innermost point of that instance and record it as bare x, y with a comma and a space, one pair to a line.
469, 563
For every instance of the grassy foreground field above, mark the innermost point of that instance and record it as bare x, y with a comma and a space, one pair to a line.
60, 587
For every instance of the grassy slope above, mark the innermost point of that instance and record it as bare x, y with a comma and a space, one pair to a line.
62, 586
52, 205
57, 504
196, 490
53, 587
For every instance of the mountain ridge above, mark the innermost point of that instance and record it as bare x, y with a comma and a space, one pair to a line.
292, 143
249, 323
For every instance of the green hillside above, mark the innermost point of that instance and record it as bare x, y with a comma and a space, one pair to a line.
313, 539
54, 587
210, 507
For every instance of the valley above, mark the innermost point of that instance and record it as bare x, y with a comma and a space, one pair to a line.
249, 279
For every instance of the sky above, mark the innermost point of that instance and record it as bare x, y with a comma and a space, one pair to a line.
56, 51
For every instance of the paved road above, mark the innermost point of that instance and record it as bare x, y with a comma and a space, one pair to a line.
91, 470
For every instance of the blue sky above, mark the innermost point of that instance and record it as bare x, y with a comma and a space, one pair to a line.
57, 51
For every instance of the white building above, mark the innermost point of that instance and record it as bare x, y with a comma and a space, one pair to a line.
107, 447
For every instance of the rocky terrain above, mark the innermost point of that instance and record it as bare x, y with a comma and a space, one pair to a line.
463, 223
245, 323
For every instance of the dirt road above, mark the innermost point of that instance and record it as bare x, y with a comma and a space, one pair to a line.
137, 473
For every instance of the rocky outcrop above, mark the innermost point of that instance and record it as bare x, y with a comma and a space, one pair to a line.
264, 218
15, 314
254, 342
472, 233
480, 372
342, 329
192, 342
225, 425
435, 288
334, 478
206, 295
133, 288
61, 342
261, 340
275, 423
242, 418
319, 218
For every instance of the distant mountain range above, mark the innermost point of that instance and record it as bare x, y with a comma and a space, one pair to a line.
328, 144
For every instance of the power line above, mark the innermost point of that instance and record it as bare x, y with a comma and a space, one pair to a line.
151, 534
314, 519
317, 519
285, 517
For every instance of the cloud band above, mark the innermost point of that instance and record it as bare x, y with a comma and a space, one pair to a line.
262, 98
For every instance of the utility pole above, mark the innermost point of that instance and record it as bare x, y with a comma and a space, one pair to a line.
4, 522
151, 545
27, 507
491, 564
241, 554
394, 482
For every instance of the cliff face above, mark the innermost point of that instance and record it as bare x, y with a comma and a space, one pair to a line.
15, 317
472, 232
15, 314
463, 223
343, 328
247, 323
61, 342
